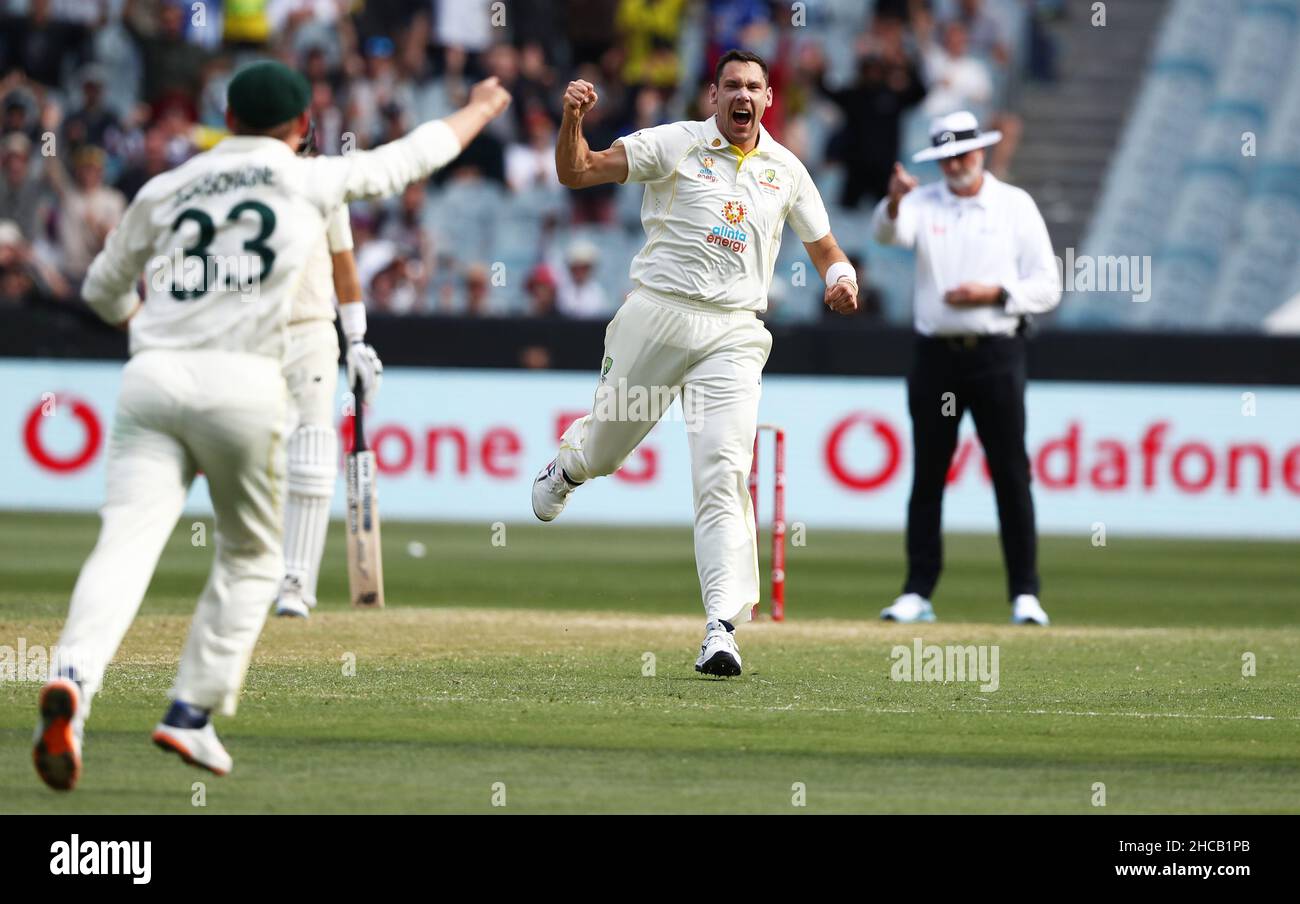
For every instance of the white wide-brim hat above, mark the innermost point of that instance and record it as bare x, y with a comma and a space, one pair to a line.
953, 135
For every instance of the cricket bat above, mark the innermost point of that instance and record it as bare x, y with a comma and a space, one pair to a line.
365, 562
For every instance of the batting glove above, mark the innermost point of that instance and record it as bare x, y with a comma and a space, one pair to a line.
364, 364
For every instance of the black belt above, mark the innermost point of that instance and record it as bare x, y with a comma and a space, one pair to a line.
966, 341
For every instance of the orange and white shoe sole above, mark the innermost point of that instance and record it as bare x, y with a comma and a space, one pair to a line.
168, 743
57, 753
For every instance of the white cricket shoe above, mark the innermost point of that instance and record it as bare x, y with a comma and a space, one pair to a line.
719, 654
290, 603
56, 749
908, 608
551, 492
196, 746
1027, 610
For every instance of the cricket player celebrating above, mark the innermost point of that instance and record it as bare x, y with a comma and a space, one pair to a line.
717, 195
226, 237
311, 371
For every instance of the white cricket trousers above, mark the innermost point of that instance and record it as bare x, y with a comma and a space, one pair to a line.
659, 347
178, 413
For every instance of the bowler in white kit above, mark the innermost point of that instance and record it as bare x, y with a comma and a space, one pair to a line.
717, 194
224, 241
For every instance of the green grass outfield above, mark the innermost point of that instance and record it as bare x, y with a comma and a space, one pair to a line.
523, 665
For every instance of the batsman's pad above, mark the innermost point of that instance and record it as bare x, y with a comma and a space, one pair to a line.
313, 461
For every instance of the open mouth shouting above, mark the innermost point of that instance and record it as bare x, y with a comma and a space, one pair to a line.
742, 117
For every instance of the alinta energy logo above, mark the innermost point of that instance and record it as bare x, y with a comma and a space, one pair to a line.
730, 237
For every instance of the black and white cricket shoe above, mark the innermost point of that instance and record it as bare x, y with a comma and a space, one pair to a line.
719, 654
551, 492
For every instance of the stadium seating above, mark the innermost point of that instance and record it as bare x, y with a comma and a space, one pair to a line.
1207, 177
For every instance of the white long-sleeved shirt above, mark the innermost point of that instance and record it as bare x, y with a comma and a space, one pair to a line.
996, 237
226, 238
315, 298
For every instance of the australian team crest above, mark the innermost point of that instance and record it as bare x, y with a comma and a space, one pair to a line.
767, 179
706, 172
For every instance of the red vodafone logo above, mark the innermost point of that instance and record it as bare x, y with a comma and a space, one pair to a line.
45, 410
883, 432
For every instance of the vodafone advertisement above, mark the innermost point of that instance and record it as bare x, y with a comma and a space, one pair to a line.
460, 445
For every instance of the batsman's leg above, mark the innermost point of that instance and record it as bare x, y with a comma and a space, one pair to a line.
312, 376
240, 447
720, 401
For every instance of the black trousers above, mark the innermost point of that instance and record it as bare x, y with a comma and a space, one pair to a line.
987, 378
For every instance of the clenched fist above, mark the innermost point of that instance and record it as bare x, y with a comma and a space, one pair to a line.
842, 298
579, 97
900, 183
489, 95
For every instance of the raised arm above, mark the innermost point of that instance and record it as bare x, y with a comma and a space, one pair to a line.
889, 225
577, 165
386, 170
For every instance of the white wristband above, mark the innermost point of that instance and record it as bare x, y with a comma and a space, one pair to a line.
353, 318
840, 270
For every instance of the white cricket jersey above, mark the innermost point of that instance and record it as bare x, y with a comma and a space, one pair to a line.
996, 236
224, 240
315, 300
713, 216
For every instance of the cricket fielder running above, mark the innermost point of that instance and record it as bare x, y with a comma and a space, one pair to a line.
717, 195
226, 238
311, 370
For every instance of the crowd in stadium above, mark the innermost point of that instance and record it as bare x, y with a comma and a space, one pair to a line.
101, 95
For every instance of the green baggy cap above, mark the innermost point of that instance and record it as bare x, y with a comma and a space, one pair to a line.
266, 94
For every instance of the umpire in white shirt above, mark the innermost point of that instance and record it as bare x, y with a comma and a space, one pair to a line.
984, 264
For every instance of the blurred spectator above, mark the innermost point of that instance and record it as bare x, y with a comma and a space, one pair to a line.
246, 22
151, 163
88, 209
20, 107
39, 44
578, 294
985, 33
888, 85
173, 67
463, 28
23, 195
650, 29
591, 29
957, 80
327, 117
390, 289
403, 226
381, 87
541, 287
476, 296
531, 165
94, 123
24, 278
